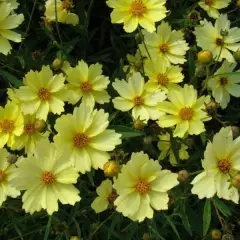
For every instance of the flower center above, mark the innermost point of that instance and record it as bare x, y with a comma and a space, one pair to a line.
164, 48
80, 140
3, 176
223, 81
142, 186
112, 197
29, 128
44, 94
162, 79
224, 165
138, 8
48, 178
7, 126
86, 87
138, 101
219, 42
186, 113
66, 4
209, 2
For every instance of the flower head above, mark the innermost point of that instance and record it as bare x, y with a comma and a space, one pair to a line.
221, 163
6, 173
14, 3
106, 197
63, 12
211, 38
87, 83
134, 95
43, 93
137, 12
142, 187
85, 139
47, 176
169, 45
212, 6
11, 124
8, 21
225, 85
185, 110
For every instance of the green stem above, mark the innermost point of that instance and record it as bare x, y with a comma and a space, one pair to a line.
142, 38
57, 25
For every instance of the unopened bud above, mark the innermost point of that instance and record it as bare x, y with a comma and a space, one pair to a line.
74, 238
183, 176
236, 182
56, 64
237, 55
40, 126
138, 124
194, 16
235, 131
200, 70
146, 237
189, 142
211, 108
228, 236
205, 57
216, 234
12, 159
148, 140
111, 168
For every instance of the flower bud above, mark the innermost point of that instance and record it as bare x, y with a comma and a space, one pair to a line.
216, 234
111, 168
56, 64
40, 126
146, 237
138, 124
200, 70
205, 56
235, 131
228, 236
148, 140
74, 238
211, 108
237, 54
238, 3
189, 142
194, 16
12, 159
183, 176
236, 182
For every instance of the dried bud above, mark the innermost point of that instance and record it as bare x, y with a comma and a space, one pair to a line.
12, 159
235, 131
40, 126
74, 238
146, 237
237, 54
211, 108
57, 64
228, 236
111, 168
183, 176
205, 56
36, 55
138, 124
200, 70
216, 234
148, 140
236, 182
189, 142
194, 16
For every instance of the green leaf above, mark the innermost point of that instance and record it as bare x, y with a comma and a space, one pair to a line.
48, 228
222, 207
226, 74
127, 132
169, 220
191, 69
12, 79
183, 215
206, 216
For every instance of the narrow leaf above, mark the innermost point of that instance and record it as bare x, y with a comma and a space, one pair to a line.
10, 78
172, 226
206, 216
222, 207
127, 132
48, 228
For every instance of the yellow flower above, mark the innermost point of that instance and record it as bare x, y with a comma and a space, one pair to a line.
8, 21
142, 187
6, 173
221, 162
212, 6
219, 39
11, 92
14, 3
30, 135
47, 176
106, 197
43, 93
161, 75
11, 124
85, 139
185, 110
169, 45
63, 12
87, 83
224, 86
165, 146
137, 12
133, 95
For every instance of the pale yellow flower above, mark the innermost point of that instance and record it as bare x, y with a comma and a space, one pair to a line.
14, 3
142, 187
221, 163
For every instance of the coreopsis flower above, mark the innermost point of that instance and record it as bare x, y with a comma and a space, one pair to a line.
184, 110
87, 83
137, 12
30, 135
212, 6
169, 45
225, 85
43, 93
6, 172
134, 95
220, 164
48, 177
166, 148
161, 75
11, 124
8, 21
63, 14
220, 39
12, 96
142, 187
106, 197
85, 138
14, 3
